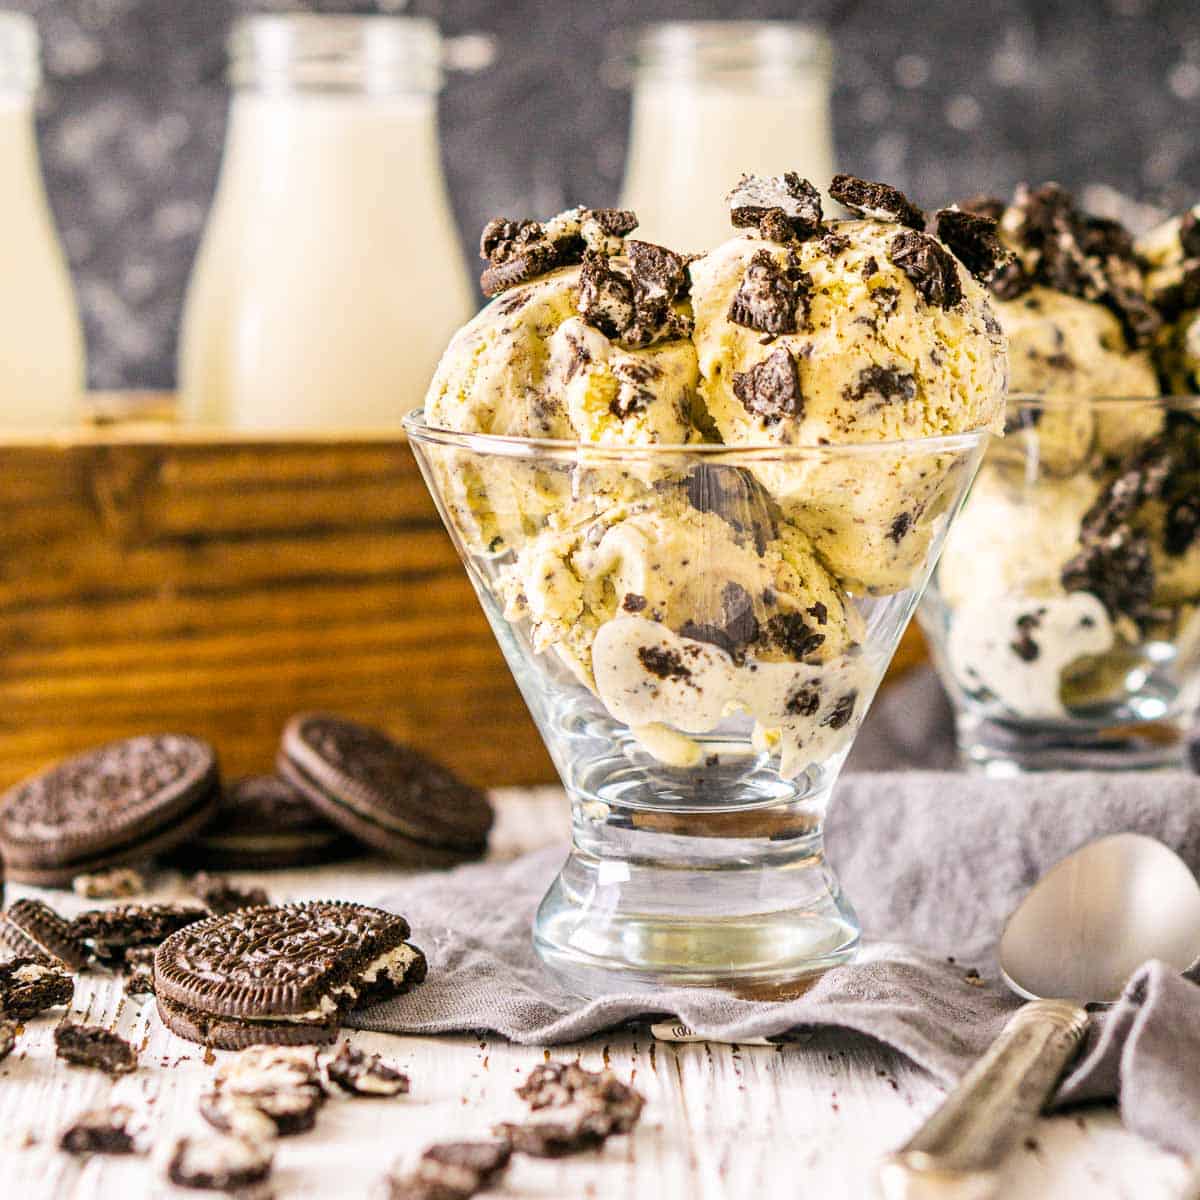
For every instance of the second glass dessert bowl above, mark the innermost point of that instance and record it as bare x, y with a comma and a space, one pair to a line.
1064, 615
698, 632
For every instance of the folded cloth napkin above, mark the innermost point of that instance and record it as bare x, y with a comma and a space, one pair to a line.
934, 863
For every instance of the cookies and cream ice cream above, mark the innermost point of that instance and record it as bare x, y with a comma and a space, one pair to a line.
682, 592
1066, 564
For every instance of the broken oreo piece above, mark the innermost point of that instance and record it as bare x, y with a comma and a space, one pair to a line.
351, 1070
220, 896
1117, 569
29, 986
31, 928
462, 1169
279, 1112
771, 388
96, 1047
877, 201
110, 932
119, 883
889, 384
973, 239
659, 273
780, 207
219, 1164
116, 1129
606, 296
771, 298
139, 970
928, 266
792, 634
734, 495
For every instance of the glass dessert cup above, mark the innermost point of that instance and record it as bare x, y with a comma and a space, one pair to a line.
698, 632
1063, 615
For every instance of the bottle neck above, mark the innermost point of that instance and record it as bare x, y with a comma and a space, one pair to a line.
311, 54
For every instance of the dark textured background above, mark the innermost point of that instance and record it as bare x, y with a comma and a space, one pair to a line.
942, 96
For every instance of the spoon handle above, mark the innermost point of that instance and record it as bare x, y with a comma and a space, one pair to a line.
958, 1151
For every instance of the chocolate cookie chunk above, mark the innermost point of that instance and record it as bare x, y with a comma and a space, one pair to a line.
877, 201
285, 1111
780, 207
29, 986
1117, 569
930, 269
126, 801
771, 388
219, 1164
8, 1037
606, 296
771, 298
973, 239
139, 970
96, 1047
116, 1129
109, 932
883, 385
388, 795
573, 1110
281, 975
658, 273
461, 1169
734, 628
220, 896
359, 1074
34, 929
265, 823
734, 495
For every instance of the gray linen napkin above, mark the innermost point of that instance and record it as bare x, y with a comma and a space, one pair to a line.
934, 862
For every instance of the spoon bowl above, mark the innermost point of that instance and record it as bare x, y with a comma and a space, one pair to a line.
1096, 916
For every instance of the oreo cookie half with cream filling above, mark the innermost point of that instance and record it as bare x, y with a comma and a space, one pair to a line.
264, 823
384, 793
281, 975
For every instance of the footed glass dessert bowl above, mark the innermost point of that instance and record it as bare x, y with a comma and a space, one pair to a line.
1064, 616
698, 632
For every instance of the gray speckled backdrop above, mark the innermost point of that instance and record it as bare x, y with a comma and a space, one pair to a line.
942, 96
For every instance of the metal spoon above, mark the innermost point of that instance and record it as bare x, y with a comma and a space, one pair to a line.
1079, 934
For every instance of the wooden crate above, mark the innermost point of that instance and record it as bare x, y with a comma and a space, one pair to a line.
154, 577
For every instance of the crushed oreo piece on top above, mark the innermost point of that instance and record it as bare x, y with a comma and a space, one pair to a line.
771, 298
888, 384
658, 273
1117, 569
973, 239
983, 205
878, 201
928, 266
771, 388
606, 296
604, 228
780, 207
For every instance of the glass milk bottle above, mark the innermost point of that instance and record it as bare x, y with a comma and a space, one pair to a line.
41, 343
711, 100
330, 277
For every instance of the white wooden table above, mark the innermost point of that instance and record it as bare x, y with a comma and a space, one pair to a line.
806, 1119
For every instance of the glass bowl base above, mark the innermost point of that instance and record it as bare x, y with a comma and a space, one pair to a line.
1003, 749
762, 924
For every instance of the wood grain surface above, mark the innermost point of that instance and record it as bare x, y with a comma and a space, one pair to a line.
154, 577
722, 1122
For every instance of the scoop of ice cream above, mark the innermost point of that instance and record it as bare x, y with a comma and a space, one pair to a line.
838, 340
1172, 257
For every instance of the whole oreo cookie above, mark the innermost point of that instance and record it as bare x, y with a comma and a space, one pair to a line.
126, 801
281, 975
385, 794
265, 823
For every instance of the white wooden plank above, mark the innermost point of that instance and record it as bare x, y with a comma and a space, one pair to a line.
809, 1118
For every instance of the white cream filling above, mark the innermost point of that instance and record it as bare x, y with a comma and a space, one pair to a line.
395, 963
